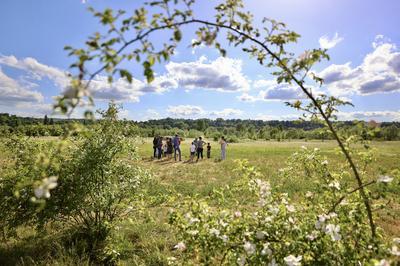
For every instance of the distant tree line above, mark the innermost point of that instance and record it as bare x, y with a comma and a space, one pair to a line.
233, 129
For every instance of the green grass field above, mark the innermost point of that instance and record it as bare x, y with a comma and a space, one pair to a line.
150, 238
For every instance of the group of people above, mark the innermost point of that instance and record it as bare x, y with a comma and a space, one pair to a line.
166, 146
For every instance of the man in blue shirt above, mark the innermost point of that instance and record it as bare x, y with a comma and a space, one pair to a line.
177, 143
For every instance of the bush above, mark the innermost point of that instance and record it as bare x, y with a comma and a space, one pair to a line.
275, 230
89, 182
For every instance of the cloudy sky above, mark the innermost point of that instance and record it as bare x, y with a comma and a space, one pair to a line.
362, 37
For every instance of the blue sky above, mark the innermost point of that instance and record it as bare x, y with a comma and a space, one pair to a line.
362, 37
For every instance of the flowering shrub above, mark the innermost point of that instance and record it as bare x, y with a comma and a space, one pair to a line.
87, 182
272, 229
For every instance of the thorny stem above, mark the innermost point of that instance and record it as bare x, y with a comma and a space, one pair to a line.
291, 75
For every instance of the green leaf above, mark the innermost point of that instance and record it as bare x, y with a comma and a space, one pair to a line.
126, 74
177, 35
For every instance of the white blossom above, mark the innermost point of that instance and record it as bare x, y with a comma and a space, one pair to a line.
193, 232
309, 194
321, 221
333, 231
180, 246
43, 191
395, 251
292, 260
313, 235
290, 208
384, 179
241, 261
335, 184
266, 250
214, 231
396, 240
224, 238
382, 263
193, 220
250, 248
325, 162
237, 214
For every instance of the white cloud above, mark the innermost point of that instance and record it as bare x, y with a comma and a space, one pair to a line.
380, 116
378, 73
327, 43
12, 91
269, 117
222, 74
270, 90
194, 111
122, 91
36, 70
227, 112
185, 110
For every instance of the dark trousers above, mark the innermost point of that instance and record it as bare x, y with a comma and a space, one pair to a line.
208, 154
159, 152
199, 153
177, 150
154, 151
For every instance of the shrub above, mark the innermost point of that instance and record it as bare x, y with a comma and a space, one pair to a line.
272, 228
93, 184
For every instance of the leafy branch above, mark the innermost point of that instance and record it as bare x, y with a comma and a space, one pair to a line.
239, 31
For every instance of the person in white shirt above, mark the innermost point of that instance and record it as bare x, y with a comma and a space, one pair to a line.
192, 151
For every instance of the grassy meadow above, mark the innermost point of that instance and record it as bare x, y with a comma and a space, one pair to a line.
148, 238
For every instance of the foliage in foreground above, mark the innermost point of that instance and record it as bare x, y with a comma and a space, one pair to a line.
87, 183
271, 228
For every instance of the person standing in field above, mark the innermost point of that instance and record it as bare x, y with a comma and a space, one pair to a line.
159, 146
169, 148
208, 150
177, 144
192, 152
200, 144
223, 147
155, 141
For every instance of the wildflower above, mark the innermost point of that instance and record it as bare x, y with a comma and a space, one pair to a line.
250, 248
237, 214
324, 162
214, 231
382, 263
261, 235
335, 184
193, 232
395, 251
384, 179
193, 220
224, 238
290, 208
309, 194
313, 235
241, 261
333, 231
180, 246
44, 189
396, 240
292, 260
266, 250
321, 221
171, 260
316, 149
222, 223
304, 147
